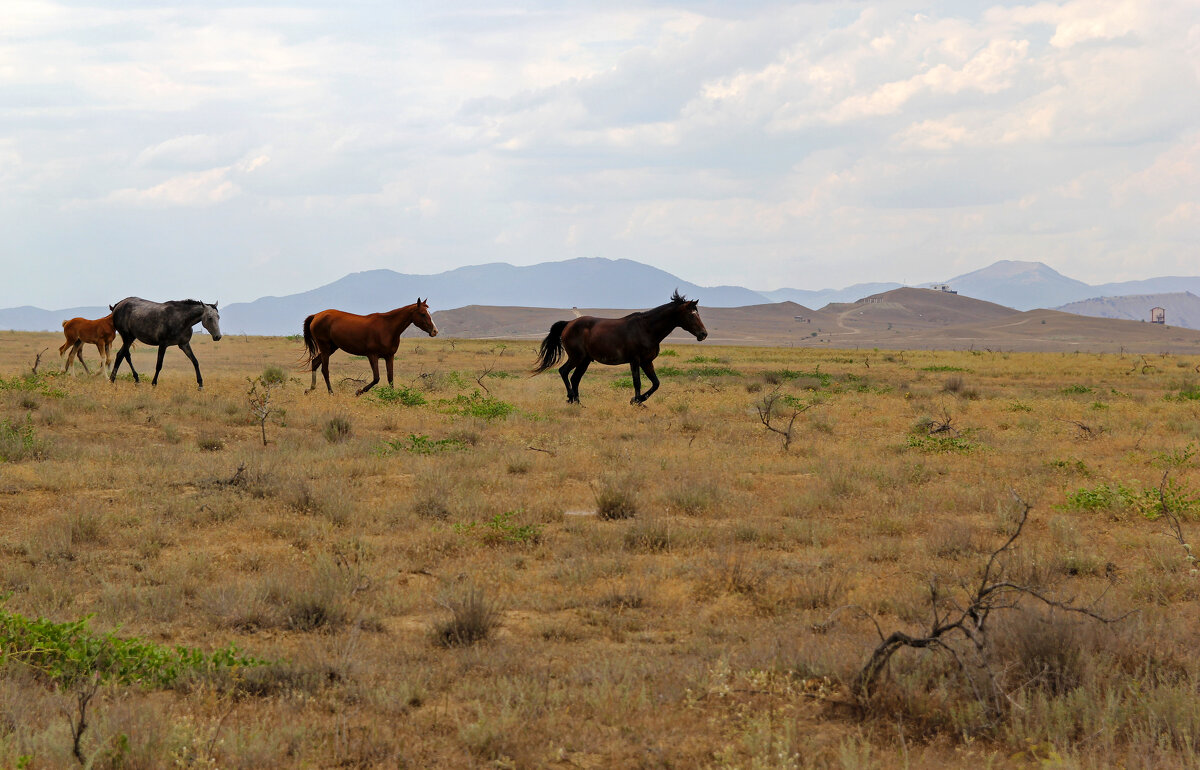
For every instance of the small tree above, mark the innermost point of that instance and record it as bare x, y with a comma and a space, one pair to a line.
259, 399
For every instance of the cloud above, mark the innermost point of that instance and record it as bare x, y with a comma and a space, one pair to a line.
808, 142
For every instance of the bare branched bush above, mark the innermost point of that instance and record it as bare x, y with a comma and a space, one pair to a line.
959, 627
778, 414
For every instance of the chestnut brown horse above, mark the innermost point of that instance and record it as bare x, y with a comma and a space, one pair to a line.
632, 340
375, 336
100, 332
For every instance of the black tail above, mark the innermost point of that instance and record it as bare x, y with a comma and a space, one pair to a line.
310, 345
552, 348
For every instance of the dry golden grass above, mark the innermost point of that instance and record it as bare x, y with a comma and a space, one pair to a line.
685, 629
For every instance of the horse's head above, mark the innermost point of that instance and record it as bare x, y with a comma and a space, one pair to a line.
210, 319
689, 316
422, 319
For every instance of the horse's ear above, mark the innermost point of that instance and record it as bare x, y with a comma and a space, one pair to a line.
214, 305
692, 304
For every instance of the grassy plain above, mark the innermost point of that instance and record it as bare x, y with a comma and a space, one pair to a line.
686, 627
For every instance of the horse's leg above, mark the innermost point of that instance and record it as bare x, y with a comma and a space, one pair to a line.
123, 353
107, 355
326, 354
70, 357
78, 353
100, 352
637, 384
577, 376
316, 364
390, 360
648, 368
564, 372
374, 360
162, 351
187, 351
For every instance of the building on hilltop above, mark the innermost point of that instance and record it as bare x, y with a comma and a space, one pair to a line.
943, 287
1158, 315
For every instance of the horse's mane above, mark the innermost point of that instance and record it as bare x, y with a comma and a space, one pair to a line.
677, 299
184, 302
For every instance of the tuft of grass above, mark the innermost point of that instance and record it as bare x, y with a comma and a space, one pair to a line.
210, 442
472, 619
337, 429
615, 500
651, 536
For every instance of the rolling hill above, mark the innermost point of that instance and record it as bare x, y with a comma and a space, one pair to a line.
1183, 308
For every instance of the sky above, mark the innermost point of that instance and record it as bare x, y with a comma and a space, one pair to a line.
227, 150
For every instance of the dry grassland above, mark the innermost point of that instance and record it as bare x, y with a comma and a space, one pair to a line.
686, 627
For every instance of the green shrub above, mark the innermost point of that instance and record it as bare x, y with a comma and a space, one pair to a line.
273, 375
420, 444
941, 443
478, 405
19, 442
1076, 390
403, 395
33, 383
69, 653
502, 529
943, 368
1118, 497
1189, 392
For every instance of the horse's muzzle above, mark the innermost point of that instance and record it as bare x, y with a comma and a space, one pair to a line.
701, 336
216, 337
433, 333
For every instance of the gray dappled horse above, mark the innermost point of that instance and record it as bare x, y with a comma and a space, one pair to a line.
162, 324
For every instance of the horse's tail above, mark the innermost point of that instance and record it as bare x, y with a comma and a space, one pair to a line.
552, 348
310, 344
62, 351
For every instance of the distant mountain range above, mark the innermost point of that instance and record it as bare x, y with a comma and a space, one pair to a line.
595, 282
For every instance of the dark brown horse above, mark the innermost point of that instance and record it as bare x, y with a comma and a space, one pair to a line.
632, 340
375, 336
100, 333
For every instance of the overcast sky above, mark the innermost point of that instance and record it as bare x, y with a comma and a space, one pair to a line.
227, 150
